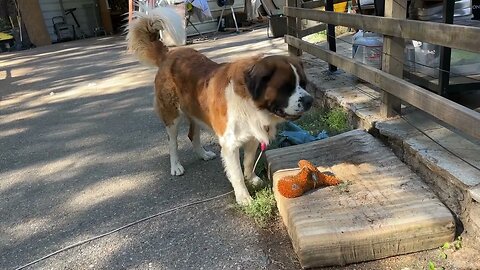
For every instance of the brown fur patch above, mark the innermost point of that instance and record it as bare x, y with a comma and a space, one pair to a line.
272, 80
188, 81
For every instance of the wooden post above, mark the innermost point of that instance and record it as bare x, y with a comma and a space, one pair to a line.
332, 45
105, 16
445, 52
34, 22
392, 58
130, 10
292, 29
298, 27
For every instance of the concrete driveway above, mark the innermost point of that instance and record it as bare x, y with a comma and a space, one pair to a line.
82, 153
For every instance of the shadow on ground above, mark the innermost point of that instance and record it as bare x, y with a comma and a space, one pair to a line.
83, 153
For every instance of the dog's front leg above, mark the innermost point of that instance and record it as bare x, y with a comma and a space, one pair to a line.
249, 157
231, 161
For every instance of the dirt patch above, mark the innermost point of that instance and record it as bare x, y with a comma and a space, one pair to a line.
278, 247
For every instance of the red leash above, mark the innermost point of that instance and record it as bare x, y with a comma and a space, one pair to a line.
263, 147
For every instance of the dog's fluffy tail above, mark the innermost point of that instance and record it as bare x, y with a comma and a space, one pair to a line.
144, 33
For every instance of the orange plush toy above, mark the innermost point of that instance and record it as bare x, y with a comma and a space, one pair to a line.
308, 178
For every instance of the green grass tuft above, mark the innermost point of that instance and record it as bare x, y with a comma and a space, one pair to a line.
263, 207
317, 37
312, 121
334, 121
337, 121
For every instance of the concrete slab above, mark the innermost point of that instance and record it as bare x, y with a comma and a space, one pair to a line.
443, 150
475, 193
388, 210
234, 46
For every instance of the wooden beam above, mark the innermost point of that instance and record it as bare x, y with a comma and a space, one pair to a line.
453, 36
320, 3
456, 115
313, 29
34, 22
445, 52
298, 25
105, 16
292, 29
392, 59
332, 44
130, 10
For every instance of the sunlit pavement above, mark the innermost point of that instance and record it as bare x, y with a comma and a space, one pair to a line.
82, 153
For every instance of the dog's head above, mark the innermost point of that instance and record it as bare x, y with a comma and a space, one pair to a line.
277, 84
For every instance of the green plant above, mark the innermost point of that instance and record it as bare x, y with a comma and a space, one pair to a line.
455, 245
313, 121
317, 37
336, 120
343, 186
458, 244
262, 208
432, 266
445, 246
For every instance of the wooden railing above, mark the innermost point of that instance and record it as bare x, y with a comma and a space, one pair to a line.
395, 29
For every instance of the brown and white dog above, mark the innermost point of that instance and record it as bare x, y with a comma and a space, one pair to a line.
241, 102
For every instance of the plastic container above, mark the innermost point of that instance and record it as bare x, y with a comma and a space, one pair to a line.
409, 62
368, 48
277, 26
427, 58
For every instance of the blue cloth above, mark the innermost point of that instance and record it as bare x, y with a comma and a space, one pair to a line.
294, 134
201, 9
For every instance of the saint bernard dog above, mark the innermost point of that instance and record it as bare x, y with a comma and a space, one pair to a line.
241, 102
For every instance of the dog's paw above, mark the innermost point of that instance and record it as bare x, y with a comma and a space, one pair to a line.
208, 155
243, 199
177, 169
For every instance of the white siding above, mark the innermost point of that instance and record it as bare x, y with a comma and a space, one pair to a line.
85, 14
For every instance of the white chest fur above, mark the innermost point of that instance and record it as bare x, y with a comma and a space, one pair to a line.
245, 121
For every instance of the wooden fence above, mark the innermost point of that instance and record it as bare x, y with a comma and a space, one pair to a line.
395, 28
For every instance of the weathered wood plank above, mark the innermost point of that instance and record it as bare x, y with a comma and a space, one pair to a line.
392, 60
456, 115
292, 29
320, 3
453, 36
298, 26
388, 210
35, 25
312, 30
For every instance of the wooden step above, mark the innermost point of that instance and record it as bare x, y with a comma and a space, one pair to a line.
385, 210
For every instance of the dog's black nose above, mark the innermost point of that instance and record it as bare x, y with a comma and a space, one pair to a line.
307, 102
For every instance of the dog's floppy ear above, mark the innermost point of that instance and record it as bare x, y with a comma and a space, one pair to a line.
256, 79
